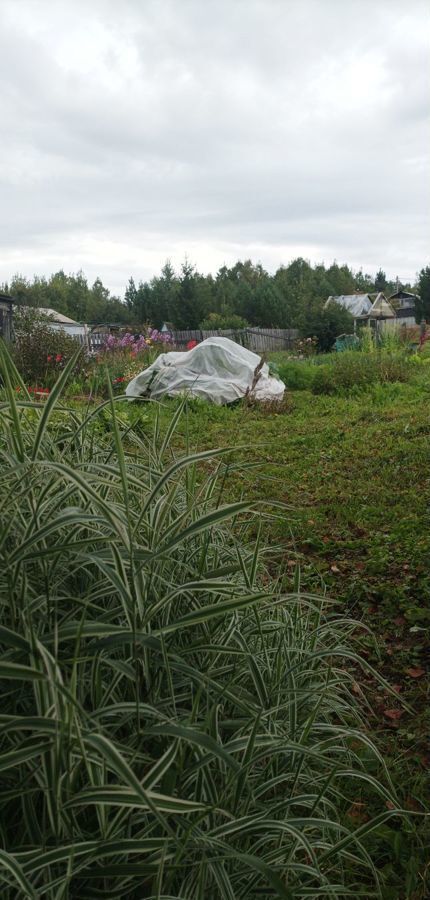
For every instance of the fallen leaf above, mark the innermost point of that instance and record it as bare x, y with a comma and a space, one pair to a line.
393, 714
334, 569
357, 812
418, 672
389, 804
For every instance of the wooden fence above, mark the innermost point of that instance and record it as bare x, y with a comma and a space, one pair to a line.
260, 340
257, 339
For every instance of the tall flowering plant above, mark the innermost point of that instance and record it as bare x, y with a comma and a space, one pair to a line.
135, 343
127, 354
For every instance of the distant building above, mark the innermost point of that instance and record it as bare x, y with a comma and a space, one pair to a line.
404, 306
6, 314
357, 304
60, 322
381, 308
364, 307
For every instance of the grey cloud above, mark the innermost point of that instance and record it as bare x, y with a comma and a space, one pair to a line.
257, 128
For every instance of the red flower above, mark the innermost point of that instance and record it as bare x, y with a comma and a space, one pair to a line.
191, 345
49, 358
58, 357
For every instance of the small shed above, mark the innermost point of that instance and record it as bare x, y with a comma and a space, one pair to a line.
6, 317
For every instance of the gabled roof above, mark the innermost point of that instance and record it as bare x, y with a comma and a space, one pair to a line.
356, 304
403, 295
52, 314
381, 308
58, 317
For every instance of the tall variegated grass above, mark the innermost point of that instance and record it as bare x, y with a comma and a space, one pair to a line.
172, 725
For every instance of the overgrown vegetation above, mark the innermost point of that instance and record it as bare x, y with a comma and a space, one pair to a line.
174, 721
354, 370
40, 353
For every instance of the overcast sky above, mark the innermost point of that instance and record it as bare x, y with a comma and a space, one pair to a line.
133, 131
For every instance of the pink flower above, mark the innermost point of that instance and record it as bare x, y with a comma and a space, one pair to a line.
58, 357
49, 358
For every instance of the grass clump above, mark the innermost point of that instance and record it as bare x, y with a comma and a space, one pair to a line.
172, 724
352, 369
297, 375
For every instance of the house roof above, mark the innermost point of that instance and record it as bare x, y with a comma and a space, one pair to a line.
356, 304
6, 297
381, 308
403, 295
56, 316
59, 317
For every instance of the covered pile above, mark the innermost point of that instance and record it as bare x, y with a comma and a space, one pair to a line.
218, 370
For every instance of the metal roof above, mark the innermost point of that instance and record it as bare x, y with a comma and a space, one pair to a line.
356, 304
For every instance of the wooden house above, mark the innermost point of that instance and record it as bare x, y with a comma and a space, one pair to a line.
403, 303
367, 309
6, 317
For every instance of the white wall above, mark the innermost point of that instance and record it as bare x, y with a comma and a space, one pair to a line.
73, 330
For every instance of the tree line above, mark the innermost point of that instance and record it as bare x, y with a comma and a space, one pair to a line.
244, 293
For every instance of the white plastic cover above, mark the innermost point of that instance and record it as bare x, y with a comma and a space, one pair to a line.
217, 369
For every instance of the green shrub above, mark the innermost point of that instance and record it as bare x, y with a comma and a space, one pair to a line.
350, 370
327, 324
172, 725
40, 352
